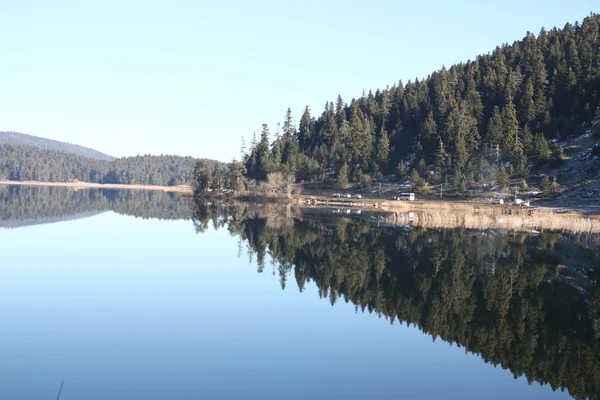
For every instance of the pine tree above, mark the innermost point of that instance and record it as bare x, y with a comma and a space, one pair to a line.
495, 128
441, 159
289, 129
401, 170
383, 150
219, 177
236, 178
513, 141
305, 131
342, 176
556, 154
340, 111
416, 179
503, 178
541, 148
527, 140
527, 105
243, 154
546, 186
201, 177
263, 159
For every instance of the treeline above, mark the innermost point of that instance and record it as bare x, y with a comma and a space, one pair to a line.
23, 205
23, 163
217, 176
483, 121
499, 296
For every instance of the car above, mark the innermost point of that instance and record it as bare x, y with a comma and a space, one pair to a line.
336, 195
357, 196
348, 196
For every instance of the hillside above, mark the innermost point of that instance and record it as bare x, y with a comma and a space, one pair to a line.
15, 138
526, 114
30, 163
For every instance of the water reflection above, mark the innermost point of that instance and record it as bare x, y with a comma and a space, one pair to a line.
30, 205
527, 302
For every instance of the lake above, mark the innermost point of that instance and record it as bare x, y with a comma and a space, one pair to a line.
146, 295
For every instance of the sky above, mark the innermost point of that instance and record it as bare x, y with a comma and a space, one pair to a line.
193, 77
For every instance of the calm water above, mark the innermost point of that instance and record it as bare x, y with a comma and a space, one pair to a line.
142, 295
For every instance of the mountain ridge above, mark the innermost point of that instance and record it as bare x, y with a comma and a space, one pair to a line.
16, 138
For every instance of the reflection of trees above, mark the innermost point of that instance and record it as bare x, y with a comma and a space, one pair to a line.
22, 205
506, 298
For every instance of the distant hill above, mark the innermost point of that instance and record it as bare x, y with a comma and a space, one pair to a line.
15, 138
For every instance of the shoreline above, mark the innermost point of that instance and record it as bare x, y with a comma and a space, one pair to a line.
319, 201
183, 189
425, 213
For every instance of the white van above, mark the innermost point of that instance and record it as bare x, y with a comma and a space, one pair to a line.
497, 201
407, 197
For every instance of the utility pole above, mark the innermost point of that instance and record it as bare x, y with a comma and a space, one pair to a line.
441, 189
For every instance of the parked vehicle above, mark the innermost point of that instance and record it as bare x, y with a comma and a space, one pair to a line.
406, 197
348, 195
336, 195
522, 203
357, 196
497, 201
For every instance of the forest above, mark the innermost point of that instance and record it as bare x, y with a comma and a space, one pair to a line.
506, 298
24, 163
489, 120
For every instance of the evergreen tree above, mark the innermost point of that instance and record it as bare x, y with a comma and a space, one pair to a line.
513, 141
383, 150
441, 159
342, 176
495, 129
546, 186
263, 158
201, 177
306, 130
219, 177
401, 170
503, 178
541, 148
556, 154
236, 178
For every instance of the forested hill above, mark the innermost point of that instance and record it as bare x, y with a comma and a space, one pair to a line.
494, 118
14, 138
24, 163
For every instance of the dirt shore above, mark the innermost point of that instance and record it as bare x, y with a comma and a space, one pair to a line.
184, 189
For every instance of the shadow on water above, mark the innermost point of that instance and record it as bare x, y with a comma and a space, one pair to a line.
528, 302
28, 205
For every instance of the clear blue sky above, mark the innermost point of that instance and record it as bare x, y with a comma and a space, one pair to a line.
192, 77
